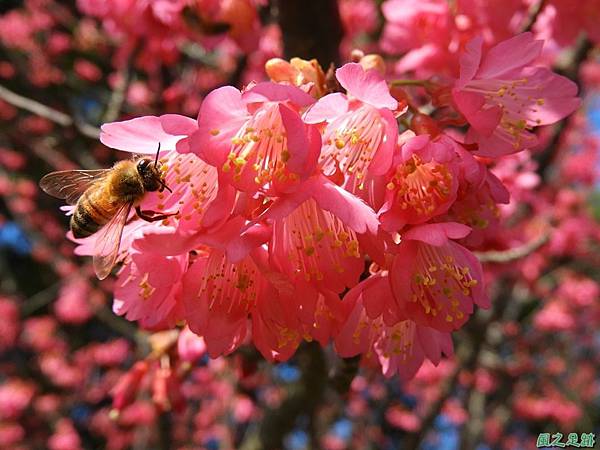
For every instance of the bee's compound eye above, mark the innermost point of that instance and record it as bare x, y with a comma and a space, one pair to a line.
143, 163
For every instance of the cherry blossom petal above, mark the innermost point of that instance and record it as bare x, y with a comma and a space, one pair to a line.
366, 85
273, 92
437, 233
143, 134
509, 55
327, 108
349, 209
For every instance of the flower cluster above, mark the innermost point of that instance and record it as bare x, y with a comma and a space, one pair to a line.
302, 213
428, 36
73, 375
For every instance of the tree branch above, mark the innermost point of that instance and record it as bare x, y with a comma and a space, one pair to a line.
118, 95
303, 398
47, 112
340, 378
504, 256
311, 29
534, 12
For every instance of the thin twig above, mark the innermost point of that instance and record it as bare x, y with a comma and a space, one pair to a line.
119, 93
126, 329
504, 256
47, 112
40, 299
534, 12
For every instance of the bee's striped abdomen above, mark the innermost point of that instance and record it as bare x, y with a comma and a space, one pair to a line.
91, 213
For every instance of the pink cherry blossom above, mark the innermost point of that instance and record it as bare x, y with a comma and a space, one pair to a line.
436, 281
312, 244
424, 182
148, 288
422, 31
360, 133
256, 139
400, 347
218, 297
72, 305
504, 96
190, 346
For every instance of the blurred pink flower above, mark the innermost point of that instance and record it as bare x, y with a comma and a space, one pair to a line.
11, 433
554, 316
421, 31
39, 333
73, 302
15, 397
10, 326
87, 70
190, 346
402, 418
65, 437
358, 16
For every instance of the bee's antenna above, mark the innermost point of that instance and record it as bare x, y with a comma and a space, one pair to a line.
165, 186
157, 152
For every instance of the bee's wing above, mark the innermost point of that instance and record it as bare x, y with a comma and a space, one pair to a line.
70, 184
108, 239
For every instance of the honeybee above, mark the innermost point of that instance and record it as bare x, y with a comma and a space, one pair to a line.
103, 200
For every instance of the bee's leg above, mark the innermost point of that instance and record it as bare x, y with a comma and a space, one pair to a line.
152, 216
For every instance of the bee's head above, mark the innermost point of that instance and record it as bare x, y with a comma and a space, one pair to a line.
150, 173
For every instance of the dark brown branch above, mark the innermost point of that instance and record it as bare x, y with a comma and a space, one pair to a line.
534, 12
165, 431
40, 299
413, 440
342, 375
311, 29
303, 398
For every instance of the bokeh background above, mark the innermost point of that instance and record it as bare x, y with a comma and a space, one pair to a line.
528, 365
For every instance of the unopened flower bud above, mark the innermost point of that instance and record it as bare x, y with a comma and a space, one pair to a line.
401, 96
166, 390
356, 55
278, 70
424, 124
127, 387
190, 346
160, 389
373, 61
